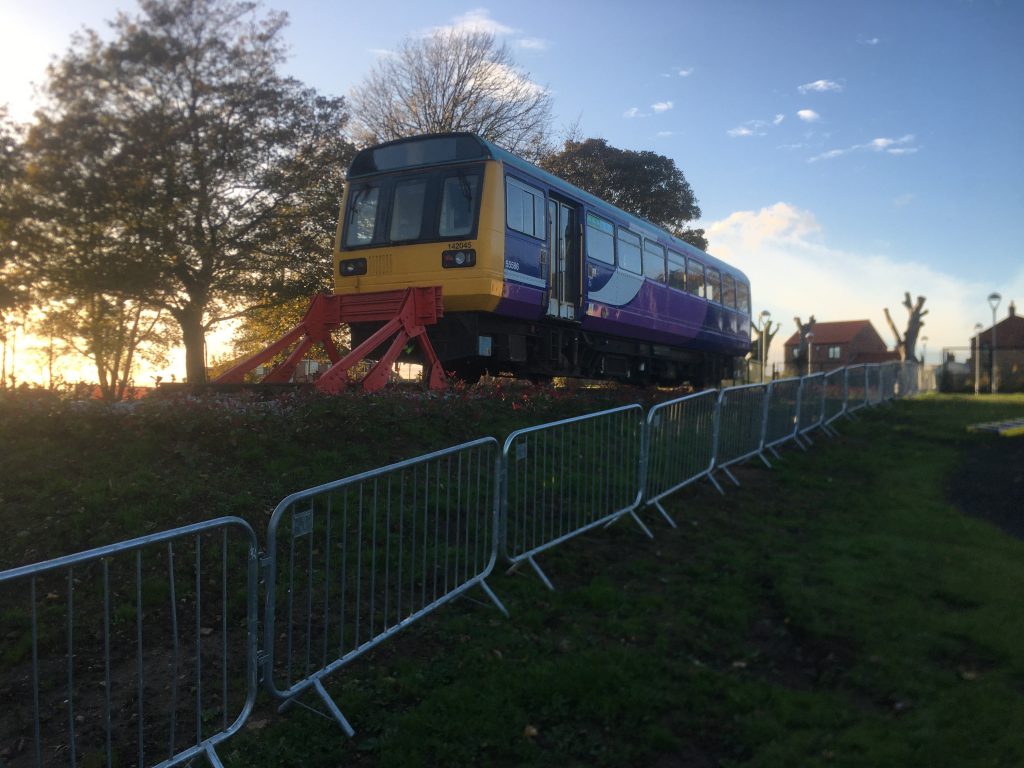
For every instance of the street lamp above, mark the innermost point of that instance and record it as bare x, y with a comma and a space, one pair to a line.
993, 301
924, 352
761, 328
810, 349
977, 357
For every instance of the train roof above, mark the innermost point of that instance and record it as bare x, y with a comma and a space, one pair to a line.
443, 148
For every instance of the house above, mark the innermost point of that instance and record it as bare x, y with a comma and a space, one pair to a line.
836, 345
1008, 358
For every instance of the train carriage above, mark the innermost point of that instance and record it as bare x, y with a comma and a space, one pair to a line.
538, 277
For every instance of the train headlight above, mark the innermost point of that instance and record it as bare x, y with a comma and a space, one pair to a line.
461, 258
352, 267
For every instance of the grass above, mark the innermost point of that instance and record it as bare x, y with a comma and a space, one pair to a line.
836, 611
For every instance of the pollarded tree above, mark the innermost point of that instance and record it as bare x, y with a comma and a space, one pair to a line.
452, 80
645, 184
907, 343
196, 168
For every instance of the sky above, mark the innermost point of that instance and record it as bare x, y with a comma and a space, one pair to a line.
842, 152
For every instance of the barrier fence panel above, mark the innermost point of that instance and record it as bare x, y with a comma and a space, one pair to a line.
835, 398
741, 425
812, 405
354, 561
138, 653
874, 388
856, 388
566, 477
679, 446
782, 413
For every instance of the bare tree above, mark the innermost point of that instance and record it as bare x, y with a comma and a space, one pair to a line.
452, 80
906, 344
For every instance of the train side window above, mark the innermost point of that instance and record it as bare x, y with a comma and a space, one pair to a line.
600, 239
695, 278
713, 290
676, 271
407, 210
729, 290
362, 215
654, 261
524, 208
629, 251
743, 297
458, 203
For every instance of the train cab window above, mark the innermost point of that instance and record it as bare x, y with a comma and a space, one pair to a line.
654, 261
729, 291
600, 239
524, 208
695, 278
407, 211
676, 271
713, 290
362, 214
629, 251
458, 203
743, 297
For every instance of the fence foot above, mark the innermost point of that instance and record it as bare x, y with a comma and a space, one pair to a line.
798, 441
764, 459
668, 518
731, 477
211, 756
714, 482
333, 708
494, 598
543, 576
640, 522
775, 453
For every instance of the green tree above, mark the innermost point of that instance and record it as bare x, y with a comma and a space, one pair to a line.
645, 184
194, 177
452, 80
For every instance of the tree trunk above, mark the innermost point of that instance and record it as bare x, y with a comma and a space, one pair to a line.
193, 335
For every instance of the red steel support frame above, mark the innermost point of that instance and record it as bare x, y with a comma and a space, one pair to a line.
405, 315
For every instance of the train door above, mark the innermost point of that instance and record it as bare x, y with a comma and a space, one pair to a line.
564, 259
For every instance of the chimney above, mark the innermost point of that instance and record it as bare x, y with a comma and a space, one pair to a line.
1013, 310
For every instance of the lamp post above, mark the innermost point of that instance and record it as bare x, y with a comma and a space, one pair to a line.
810, 349
761, 329
977, 357
993, 301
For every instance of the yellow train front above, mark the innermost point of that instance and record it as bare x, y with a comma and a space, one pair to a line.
538, 278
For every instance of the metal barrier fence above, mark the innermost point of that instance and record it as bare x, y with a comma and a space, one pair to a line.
741, 421
856, 388
782, 413
355, 561
130, 653
679, 447
564, 478
835, 395
812, 405
873, 386
124, 654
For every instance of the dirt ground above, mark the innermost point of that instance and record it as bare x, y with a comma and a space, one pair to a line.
990, 482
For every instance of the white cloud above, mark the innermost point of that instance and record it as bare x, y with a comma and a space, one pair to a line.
479, 20
808, 115
742, 131
665, 134
532, 44
777, 120
820, 86
884, 145
662, 106
632, 112
868, 40
795, 272
685, 72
